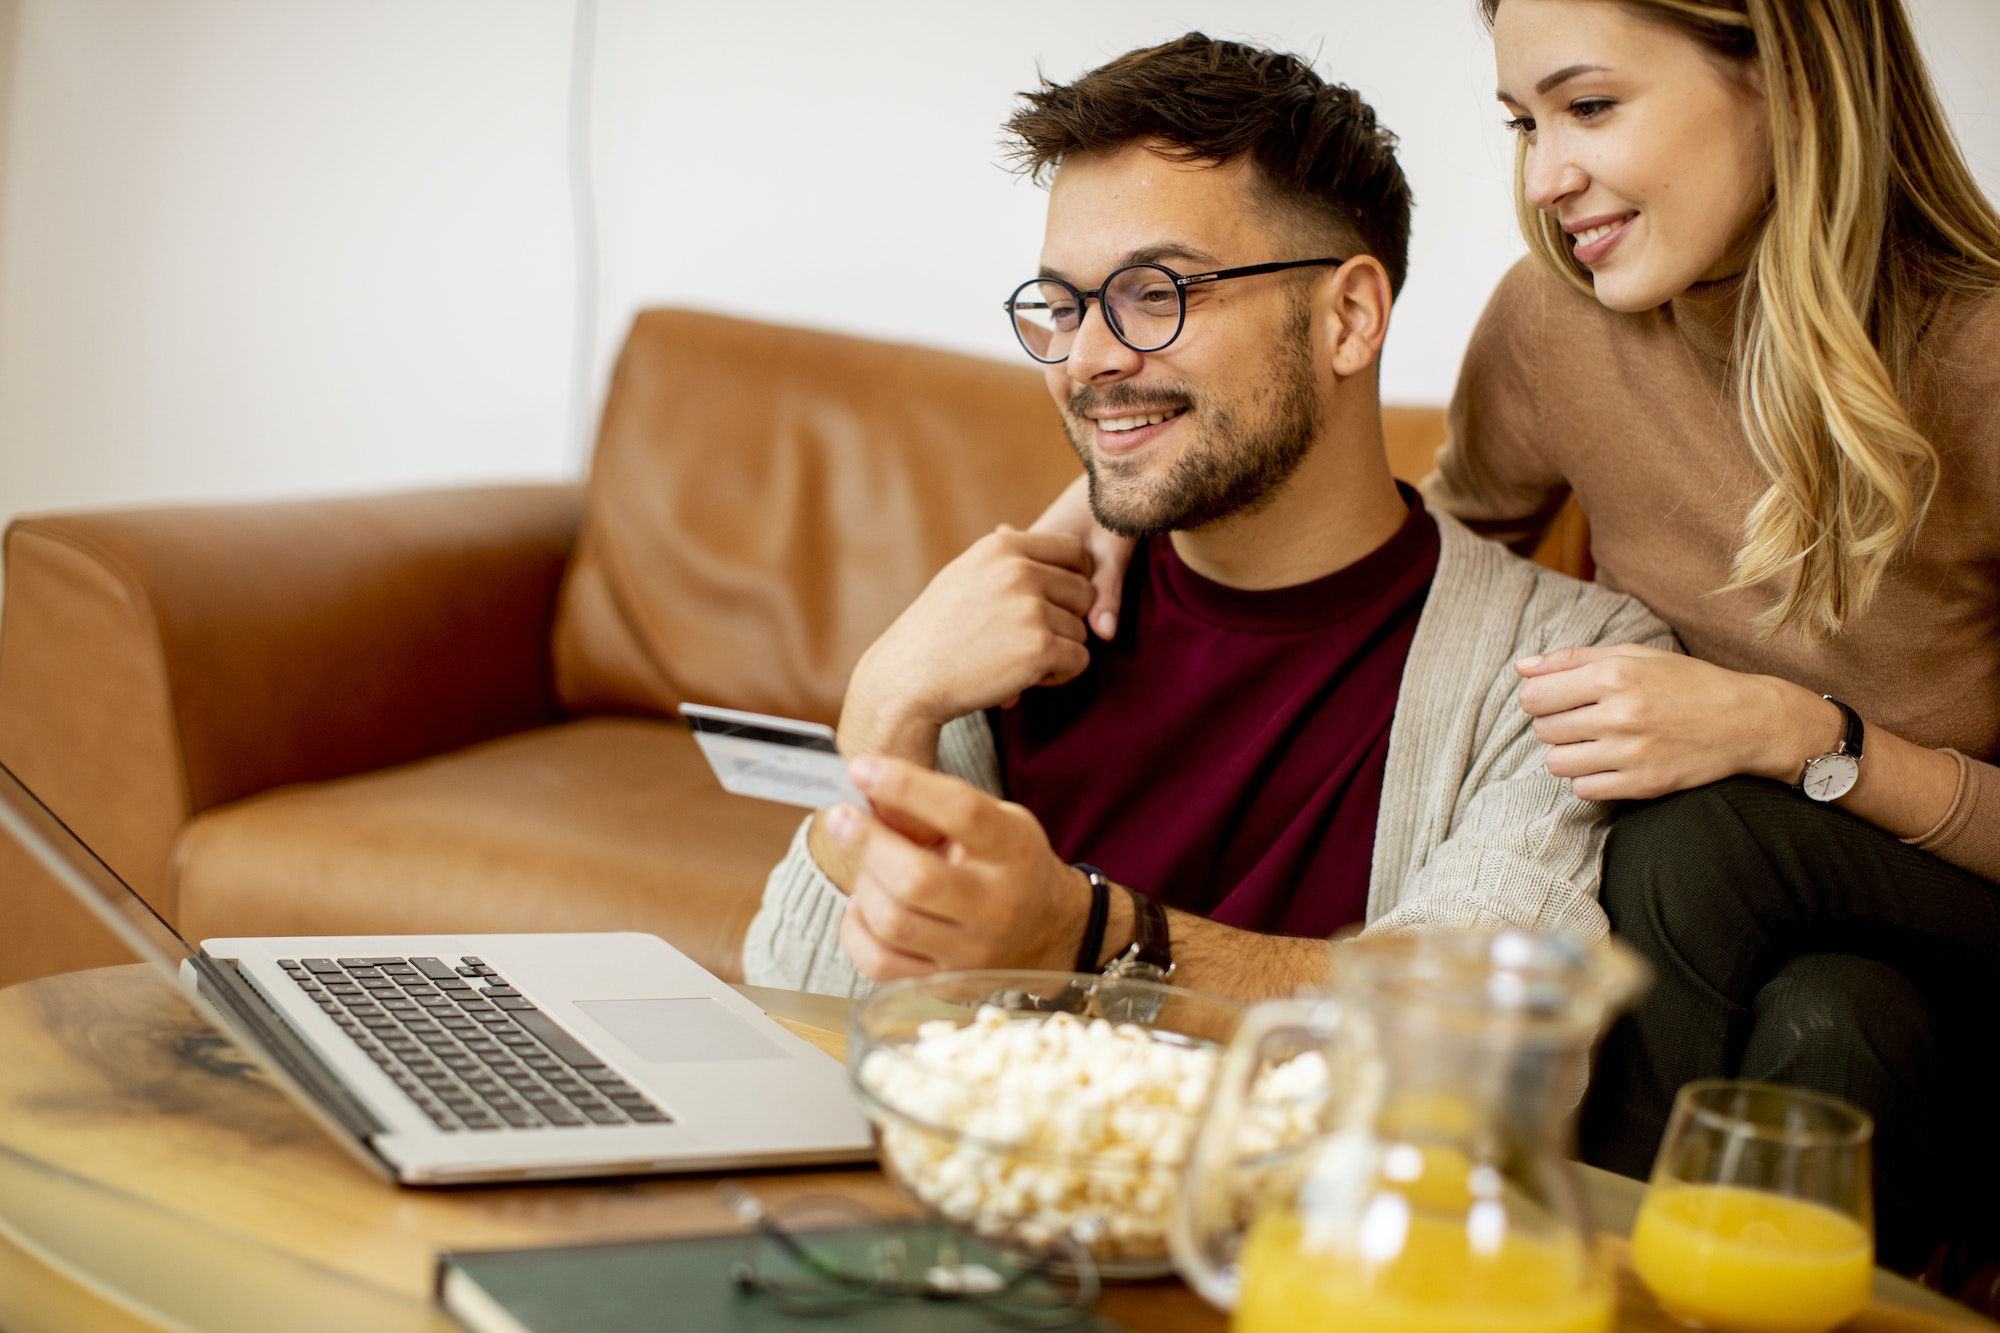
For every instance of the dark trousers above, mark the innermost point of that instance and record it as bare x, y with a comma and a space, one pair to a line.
1794, 943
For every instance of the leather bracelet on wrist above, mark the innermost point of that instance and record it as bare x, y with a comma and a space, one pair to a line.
1088, 951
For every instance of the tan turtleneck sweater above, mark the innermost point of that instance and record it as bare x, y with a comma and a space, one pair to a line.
1636, 414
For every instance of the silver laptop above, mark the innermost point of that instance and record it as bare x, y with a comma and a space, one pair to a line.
449, 1059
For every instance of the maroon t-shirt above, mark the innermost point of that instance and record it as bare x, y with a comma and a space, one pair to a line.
1225, 753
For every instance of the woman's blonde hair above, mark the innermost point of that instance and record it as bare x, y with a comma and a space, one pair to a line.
1873, 218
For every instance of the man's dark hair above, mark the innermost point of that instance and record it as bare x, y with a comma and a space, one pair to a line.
1318, 145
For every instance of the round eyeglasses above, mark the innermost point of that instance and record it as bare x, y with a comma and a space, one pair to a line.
831, 1256
1144, 306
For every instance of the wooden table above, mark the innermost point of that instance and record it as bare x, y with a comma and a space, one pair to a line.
150, 1178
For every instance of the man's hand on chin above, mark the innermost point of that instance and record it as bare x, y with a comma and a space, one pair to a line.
961, 880
1003, 617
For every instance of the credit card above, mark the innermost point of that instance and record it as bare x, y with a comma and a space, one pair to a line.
772, 758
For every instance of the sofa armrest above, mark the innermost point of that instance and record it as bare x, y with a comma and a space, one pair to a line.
155, 663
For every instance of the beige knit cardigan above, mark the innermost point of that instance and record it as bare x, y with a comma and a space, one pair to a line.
1472, 830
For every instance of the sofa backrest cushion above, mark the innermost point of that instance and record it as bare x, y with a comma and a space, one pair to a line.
765, 500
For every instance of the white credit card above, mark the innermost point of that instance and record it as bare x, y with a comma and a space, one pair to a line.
773, 758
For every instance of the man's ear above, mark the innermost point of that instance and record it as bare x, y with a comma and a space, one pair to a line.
1352, 307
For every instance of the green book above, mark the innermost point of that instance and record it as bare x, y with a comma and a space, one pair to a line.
651, 1286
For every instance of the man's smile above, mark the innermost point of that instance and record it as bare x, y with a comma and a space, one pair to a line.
1127, 428
1125, 423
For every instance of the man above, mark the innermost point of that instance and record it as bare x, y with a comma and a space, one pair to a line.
1306, 720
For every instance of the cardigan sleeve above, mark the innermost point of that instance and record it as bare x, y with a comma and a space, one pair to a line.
1475, 831
794, 940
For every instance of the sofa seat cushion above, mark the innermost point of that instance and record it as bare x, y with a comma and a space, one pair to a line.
598, 824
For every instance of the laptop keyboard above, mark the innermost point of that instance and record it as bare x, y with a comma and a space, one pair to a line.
466, 1047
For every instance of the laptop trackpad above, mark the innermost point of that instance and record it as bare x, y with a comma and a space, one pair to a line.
673, 1031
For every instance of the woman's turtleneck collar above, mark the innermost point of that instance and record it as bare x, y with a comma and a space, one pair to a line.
1706, 316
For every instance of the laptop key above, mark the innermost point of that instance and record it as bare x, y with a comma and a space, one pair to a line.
571, 1051
433, 967
320, 965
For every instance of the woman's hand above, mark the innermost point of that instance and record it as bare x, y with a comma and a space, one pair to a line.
1629, 723
1109, 553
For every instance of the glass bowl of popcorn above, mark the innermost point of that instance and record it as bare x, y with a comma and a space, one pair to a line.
1037, 1109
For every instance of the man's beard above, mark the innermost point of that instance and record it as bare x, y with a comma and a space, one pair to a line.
1232, 469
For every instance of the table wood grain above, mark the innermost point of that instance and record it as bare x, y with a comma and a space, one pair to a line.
114, 1082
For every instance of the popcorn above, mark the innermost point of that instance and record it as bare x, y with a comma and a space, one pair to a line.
1056, 1126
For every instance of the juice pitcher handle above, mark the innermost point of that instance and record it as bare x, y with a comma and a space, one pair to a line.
1210, 1215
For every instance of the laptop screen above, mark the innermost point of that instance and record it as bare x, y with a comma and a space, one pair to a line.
86, 878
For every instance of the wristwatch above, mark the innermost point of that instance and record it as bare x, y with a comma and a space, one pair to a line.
1830, 776
1148, 957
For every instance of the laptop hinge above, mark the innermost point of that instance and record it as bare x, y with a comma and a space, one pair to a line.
223, 983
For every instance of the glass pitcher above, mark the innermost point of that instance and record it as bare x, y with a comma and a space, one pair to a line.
1433, 1189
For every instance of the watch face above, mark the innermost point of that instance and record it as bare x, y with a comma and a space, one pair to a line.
1831, 776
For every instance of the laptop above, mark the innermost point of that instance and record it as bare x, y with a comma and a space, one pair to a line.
457, 1059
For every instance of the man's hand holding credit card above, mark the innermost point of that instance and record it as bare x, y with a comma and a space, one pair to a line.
773, 758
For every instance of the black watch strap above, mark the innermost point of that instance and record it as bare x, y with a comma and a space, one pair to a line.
1092, 946
1851, 742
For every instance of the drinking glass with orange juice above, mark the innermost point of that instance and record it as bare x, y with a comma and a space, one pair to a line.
1759, 1217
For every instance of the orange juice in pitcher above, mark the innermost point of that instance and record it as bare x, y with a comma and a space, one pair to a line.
1435, 1193
1439, 1283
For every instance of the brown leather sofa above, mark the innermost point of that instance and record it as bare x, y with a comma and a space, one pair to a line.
453, 710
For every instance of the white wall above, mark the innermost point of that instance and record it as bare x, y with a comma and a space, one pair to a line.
253, 249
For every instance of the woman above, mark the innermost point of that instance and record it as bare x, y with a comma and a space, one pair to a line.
1759, 339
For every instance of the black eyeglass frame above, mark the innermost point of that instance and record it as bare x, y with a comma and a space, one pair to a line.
1069, 1256
1181, 282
